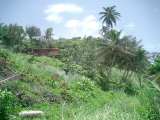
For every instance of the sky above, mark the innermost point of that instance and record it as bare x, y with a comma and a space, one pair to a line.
72, 18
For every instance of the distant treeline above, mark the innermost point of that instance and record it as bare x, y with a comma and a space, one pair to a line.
18, 38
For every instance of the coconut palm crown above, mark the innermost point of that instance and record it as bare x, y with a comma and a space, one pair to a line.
109, 16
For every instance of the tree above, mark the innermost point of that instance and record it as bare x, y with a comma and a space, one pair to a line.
110, 50
48, 36
12, 35
109, 16
134, 59
34, 34
122, 52
33, 31
125, 52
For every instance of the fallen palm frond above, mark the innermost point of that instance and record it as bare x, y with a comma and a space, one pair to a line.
14, 77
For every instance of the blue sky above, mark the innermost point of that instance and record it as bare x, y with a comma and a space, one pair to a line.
70, 18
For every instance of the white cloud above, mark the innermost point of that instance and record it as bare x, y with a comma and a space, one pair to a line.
90, 23
54, 18
53, 12
130, 26
73, 24
87, 26
61, 8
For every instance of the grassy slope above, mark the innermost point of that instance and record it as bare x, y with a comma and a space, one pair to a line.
88, 101
114, 106
37, 74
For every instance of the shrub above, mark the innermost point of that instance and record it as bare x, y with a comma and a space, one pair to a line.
3, 59
7, 105
150, 103
82, 90
85, 85
3, 54
130, 89
155, 67
74, 68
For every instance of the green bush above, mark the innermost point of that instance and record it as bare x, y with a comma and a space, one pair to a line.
150, 103
3, 54
7, 105
155, 67
74, 68
130, 89
154, 70
83, 90
3, 59
85, 85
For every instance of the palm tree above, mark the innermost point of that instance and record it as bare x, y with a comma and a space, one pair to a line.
122, 52
109, 16
133, 58
110, 50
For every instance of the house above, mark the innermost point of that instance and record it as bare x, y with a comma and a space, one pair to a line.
45, 51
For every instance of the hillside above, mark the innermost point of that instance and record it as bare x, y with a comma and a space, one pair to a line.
45, 86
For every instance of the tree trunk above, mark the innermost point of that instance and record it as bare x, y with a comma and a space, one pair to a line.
139, 79
109, 73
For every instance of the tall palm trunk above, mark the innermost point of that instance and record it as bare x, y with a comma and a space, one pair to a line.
109, 72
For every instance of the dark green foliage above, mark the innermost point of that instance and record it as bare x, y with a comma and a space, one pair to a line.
74, 68
109, 16
150, 102
16, 38
33, 31
154, 70
83, 90
155, 67
7, 105
34, 34
48, 37
4, 55
80, 55
103, 81
12, 35
3, 62
130, 89
124, 53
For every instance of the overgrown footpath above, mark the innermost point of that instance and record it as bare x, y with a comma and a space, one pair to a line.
45, 86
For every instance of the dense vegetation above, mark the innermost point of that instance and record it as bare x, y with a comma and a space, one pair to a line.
106, 78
